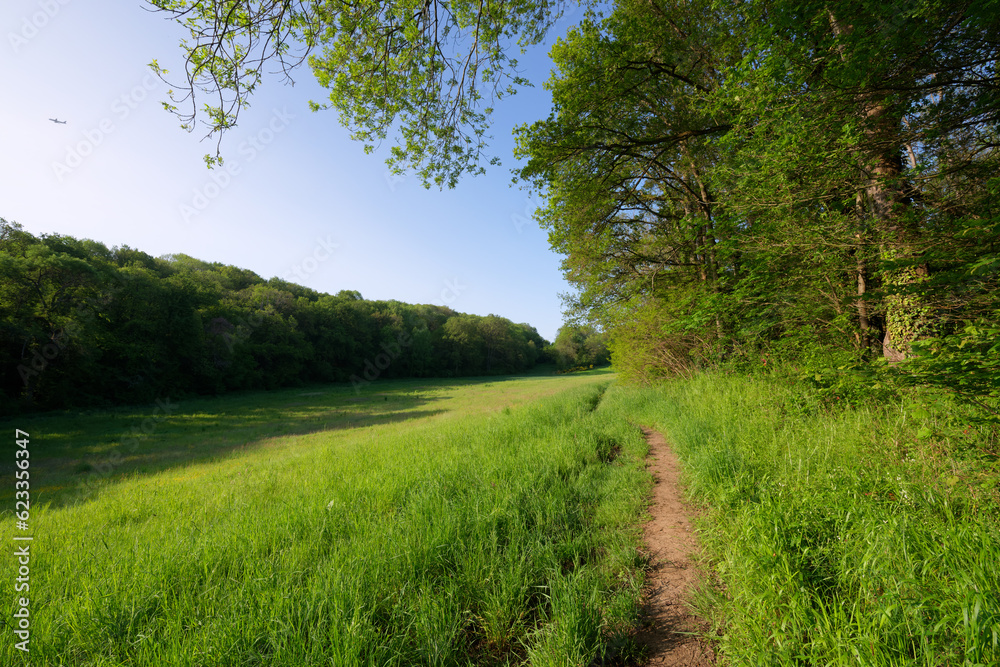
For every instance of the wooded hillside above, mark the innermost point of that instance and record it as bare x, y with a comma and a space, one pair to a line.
81, 324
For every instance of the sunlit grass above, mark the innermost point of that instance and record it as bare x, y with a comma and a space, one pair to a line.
74, 451
837, 536
497, 522
493, 530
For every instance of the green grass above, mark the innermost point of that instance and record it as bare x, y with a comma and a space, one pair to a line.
439, 523
836, 536
75, 453
497, 522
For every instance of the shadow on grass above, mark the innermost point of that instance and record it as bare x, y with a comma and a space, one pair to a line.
71, 452
68, 449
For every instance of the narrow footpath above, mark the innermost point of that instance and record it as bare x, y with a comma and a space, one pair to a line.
667, 623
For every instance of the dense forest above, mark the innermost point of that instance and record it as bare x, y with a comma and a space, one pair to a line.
806, 182
82, 324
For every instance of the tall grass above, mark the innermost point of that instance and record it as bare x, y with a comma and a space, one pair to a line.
432, 525
488, 539
838, 536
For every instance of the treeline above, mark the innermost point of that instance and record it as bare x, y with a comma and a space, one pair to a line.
82, 324
806, 181
580, 345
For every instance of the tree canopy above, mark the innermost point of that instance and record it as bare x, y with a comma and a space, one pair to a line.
427, 70
726, 181
774, 174
580, 346
82, 324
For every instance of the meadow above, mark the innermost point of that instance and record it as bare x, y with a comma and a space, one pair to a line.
439, 523
497, 521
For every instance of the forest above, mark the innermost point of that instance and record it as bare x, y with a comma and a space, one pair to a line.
740, 184
798, 182
85, 325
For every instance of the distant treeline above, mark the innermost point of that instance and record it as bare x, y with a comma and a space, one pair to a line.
580, 346
82, 324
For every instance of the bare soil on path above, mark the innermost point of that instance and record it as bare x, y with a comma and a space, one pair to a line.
667, 624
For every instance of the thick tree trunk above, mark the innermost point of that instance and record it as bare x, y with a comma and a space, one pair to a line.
908, 316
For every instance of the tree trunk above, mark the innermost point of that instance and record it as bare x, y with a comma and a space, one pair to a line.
908, 316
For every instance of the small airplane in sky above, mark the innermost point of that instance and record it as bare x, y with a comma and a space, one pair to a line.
56, 120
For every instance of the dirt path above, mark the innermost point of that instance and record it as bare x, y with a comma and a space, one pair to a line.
670, 539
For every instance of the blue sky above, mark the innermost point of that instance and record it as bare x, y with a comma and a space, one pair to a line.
121, 171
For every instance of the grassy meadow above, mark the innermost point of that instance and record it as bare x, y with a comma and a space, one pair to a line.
439, 523
82, 451
498, 522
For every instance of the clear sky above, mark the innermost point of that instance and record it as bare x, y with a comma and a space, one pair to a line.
123, 172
